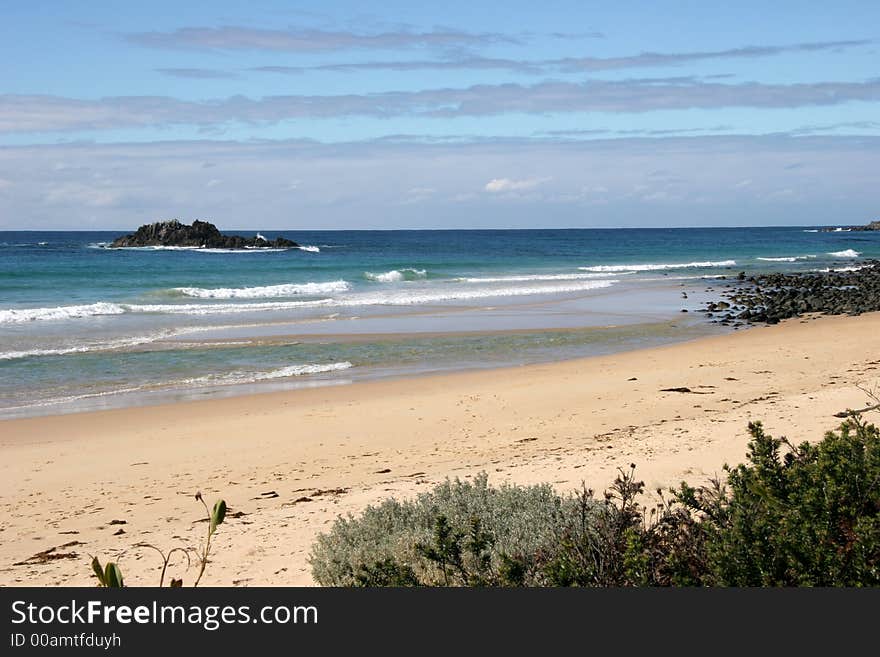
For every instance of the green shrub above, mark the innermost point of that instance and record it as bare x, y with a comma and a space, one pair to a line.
461, 532
808, 517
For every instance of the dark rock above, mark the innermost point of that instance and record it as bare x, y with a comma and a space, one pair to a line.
771, 298
874, 225
200, 234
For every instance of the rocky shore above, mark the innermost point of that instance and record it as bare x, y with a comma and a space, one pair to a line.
770, 298
200, 234
874, 225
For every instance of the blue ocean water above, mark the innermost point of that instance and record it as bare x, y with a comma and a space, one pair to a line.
85, 326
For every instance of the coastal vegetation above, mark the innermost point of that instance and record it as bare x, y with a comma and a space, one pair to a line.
791, 515
110, 575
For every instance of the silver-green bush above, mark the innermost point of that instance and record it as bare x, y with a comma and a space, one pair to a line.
516, 521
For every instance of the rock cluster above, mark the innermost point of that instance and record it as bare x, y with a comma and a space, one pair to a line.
201, 235
770, 298
874, 225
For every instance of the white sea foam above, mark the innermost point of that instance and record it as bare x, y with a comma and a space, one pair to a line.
388, 298
787, 258
310, 249
108, 345
848, 253
396, 275
233, 378
265, 291
222, 308
18, 315
655, 267
538, 277
840, 269
466, 294
812, 230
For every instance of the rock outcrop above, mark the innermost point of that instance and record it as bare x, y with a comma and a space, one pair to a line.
770, 298
874, 225
201, 234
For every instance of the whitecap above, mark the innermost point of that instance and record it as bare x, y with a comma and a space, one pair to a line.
396, 275
537, 277
241, 377
848, 253
655, 267
787, 258
19, 315
264, 291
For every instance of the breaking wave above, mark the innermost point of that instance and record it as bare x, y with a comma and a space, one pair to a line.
264, 291
655, 267
396, 275
787, 258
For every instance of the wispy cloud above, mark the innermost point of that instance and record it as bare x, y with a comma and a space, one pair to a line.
19, 113
568, 64
462, 64
197, 73
232, 37
656, 59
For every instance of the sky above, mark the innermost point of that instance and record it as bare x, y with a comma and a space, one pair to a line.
343, 115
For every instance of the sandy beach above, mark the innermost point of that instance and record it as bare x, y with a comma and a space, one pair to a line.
288, 463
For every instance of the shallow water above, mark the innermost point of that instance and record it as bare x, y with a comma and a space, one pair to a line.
83, 326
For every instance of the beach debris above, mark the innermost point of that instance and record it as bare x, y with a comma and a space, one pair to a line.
119, 532
118, 522
49, 555
685, 390
330, 491
383, 471
268, 495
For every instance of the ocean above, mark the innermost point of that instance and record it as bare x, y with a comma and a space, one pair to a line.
83, 326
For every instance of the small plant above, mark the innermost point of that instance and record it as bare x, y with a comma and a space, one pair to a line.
111, 575
215, 517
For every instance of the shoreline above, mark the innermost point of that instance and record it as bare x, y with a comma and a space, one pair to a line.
610, 338
65, 478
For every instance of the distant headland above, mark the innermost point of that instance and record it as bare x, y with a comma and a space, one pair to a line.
201, 234
874, 225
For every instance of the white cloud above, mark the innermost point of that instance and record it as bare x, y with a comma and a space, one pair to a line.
499, 185
346, 186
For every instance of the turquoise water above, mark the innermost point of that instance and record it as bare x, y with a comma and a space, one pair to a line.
85, 326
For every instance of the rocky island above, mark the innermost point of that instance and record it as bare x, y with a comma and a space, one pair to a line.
201, 234
874, 225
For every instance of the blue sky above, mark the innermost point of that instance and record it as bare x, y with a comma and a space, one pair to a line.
454, 114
